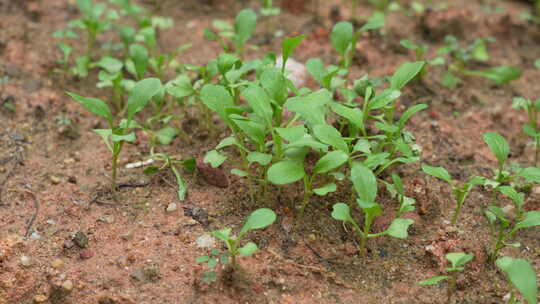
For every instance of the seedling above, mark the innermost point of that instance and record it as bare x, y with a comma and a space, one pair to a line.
238, 34
420, 54
458, 261
523, 278
365, 185
406, 204
258, 219
120, 132
532, 128
91, 22
460, 191
505, 222
171, 162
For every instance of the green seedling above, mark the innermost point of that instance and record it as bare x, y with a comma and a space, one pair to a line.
92, 22
238, 34
460, 191
505, 222
111, 76
365, 185
420, 54
458, 261
171, 162
406, 204
212, 261
258, 219
66, 50
119, 132
537, 63
460, 57
523, 278
531, 128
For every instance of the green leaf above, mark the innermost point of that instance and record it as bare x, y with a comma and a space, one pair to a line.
259, 101
370, 208
166, 135
259, 219
537, 63
376, 21
437, 172
383, 99
433, 280
217, 99
181, 190
324, 190
409, 113
285, 172
398, 228
522, 276
273, 81
364, 182
330, 136
105, 134
458, 259
239, 172
258, 157
531, 174
342, 36
287, 47
212, 262
248, 249
315, 68
449, 80
330, 161
141, 94
180, 87
128, 137
214, 158
94, 105
244, 25
353, 115
139, 55
254, 130
292, 134
311, 107
362, 145
405, 73
341, 212
202, 259
223, 234
500, 74
498, 146
532, 218
515, 196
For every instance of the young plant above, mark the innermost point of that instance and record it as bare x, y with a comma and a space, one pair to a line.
522, 276
238, 34
460, 191
420, 54
531, 128
365, 185
120, 131
505, 222
406, 204
458, 261
171, 162
258, 219
91, 22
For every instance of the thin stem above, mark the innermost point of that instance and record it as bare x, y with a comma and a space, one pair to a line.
307, 193
451, 288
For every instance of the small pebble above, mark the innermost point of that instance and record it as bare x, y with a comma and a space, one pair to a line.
57, 263
80, 239
35, 235
205, 241
51, 222
55, 180
40, 299
67, 285
85, 254
109, 219
26, 261
172, 207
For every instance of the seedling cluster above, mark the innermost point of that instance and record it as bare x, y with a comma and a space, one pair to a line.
347, 134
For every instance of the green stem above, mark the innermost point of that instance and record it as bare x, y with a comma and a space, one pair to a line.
451, 288
307, 194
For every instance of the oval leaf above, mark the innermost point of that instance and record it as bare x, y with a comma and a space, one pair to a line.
285, 172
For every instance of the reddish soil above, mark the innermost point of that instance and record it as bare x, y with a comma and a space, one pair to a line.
53, 177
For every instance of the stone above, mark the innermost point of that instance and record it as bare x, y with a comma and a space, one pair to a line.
297, 71
26, 261
57, 263
172, 207
67, 285
205, 241
40, 299
55, 180
146, 274
85, 254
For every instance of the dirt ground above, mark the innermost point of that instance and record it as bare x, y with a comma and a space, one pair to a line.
81, 247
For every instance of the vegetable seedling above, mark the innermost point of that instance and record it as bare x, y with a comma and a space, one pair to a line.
522, 276
258, 219
238, 34
91, 21
505, 222
458, 261
531, 128
460, 191
365, 185
120, 132
171, 162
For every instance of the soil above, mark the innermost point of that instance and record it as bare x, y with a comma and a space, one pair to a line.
64, 240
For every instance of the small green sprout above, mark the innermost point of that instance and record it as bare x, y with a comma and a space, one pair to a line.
119, 132
532, 128
365, 184
238, 34
258, 219
522, 276
420, 53
91, 21
505, 222
460, 191
171, 162
458, 261
212, 261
